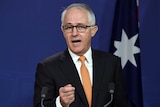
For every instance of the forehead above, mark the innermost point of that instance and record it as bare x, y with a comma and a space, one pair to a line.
76, 15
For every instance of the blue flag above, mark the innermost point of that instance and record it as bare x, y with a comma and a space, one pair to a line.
125, 44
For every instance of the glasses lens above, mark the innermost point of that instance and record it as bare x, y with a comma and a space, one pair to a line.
68, 28
79, 28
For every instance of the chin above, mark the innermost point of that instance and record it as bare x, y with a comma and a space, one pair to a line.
77, 51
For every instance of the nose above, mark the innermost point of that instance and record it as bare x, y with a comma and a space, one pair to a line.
74, 31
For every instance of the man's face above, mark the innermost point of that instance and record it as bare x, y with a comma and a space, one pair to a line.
78, 42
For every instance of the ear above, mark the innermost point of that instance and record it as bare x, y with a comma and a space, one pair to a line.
94, 29
63, 32
62, 29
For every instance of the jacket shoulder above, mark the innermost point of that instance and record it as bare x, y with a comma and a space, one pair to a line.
103, 54
55, 58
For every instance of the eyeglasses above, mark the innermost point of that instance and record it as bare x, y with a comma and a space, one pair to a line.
79, 28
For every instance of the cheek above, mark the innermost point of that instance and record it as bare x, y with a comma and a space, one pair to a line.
66, 37
87, 39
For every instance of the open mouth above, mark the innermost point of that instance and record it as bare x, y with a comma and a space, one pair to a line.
76, 41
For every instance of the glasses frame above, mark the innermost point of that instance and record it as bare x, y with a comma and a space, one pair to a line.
70, 29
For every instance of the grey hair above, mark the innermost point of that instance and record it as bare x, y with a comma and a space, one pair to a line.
91, 15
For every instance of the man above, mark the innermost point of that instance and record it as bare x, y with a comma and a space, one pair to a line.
61, 73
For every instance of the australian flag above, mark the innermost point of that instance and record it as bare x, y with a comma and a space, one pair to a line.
125, 44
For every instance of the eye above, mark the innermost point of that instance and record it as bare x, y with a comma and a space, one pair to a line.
81, 27
67, 27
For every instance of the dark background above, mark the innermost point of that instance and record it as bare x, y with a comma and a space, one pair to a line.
30, 31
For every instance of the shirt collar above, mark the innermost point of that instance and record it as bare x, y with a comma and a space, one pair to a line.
88, 55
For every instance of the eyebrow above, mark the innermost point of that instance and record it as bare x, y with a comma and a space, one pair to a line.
76, 24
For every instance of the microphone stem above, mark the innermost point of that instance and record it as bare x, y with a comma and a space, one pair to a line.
109, 101
42, 100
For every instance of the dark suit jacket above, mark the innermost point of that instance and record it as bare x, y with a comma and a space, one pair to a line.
58, 70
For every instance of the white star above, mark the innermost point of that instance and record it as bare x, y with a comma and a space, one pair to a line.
126, 49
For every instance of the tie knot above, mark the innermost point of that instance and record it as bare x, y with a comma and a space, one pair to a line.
82, 58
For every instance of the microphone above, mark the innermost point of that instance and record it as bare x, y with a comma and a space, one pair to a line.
43, 95
111, 89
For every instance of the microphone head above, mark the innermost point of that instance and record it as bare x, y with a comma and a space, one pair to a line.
111, 87
44, 92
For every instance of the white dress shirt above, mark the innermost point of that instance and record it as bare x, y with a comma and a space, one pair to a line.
88, 63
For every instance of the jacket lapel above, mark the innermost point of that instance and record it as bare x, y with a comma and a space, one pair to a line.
97, 76
70, 71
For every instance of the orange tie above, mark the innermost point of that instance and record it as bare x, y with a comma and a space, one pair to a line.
86, 80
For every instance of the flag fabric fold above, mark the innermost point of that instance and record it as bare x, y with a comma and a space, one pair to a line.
125, 44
